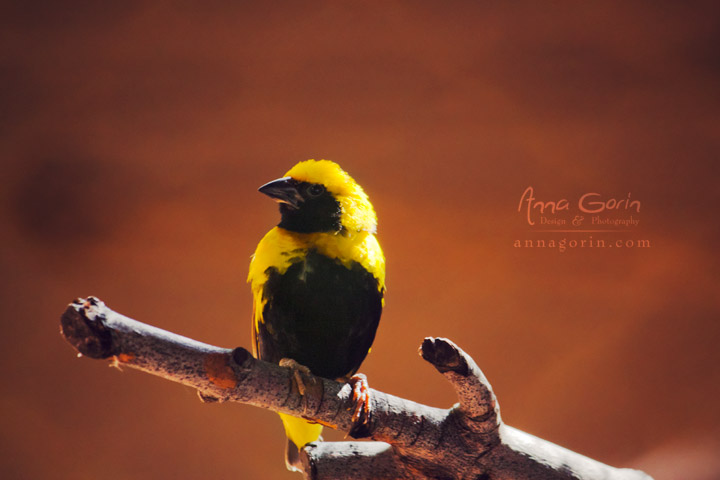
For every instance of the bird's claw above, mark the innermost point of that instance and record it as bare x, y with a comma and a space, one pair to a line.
361, 400
298, 370
308, 385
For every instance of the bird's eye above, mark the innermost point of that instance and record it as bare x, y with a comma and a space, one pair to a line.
315, 190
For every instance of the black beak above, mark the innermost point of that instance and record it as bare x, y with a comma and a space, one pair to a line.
283, 190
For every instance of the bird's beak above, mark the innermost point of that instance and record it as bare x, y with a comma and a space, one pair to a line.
283, 190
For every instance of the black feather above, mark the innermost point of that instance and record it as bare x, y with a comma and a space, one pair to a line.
321, 314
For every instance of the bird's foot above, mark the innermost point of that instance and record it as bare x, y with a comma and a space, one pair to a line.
361, 399
298, 371
307, 384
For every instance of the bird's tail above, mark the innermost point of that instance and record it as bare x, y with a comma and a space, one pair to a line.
299, 433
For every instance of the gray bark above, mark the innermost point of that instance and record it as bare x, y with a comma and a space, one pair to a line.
412, 441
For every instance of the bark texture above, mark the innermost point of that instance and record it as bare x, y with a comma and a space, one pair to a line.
413, 441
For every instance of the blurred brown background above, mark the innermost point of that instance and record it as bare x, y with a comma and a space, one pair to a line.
134, 135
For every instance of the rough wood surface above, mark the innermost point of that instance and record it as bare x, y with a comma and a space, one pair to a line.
413, 441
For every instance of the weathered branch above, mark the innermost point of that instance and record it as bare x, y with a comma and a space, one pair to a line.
467, 441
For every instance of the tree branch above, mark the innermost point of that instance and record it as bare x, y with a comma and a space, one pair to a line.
414, 441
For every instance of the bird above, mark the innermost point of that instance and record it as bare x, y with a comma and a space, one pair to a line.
318, 284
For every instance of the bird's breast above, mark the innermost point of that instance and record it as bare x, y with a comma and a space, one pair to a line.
321, 313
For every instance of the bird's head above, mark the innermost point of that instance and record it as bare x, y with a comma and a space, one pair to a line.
319, 196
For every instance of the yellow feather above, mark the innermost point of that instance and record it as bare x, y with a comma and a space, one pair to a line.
300, 431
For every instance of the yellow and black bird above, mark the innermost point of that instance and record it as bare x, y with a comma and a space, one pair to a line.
318, 281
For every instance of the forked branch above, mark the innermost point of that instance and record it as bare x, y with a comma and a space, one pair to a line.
413, 441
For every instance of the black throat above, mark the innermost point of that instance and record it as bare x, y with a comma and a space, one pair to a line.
315, 214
